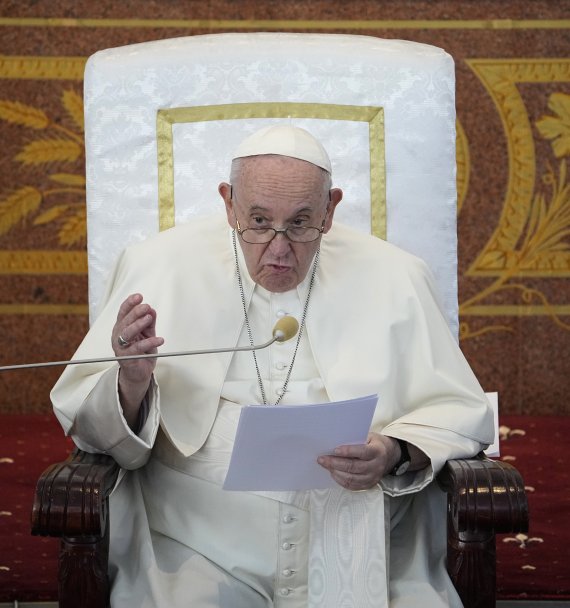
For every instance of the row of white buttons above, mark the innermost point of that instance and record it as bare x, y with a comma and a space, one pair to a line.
287, 519
287, 572
280, 365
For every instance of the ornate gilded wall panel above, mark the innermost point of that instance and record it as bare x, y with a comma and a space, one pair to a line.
513, 91
531, 236
44, 200
517, 245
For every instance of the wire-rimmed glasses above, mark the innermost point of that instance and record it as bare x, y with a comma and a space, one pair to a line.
296, 234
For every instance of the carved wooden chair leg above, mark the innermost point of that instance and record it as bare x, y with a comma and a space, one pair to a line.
83, 578
471, 565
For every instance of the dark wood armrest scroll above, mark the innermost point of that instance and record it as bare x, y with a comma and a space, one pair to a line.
71, 502
485, 497
71, 496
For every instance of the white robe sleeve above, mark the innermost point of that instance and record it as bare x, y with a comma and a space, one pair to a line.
100, 426
448, 415
86, 398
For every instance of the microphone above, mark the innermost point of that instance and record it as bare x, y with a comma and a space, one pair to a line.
284, 330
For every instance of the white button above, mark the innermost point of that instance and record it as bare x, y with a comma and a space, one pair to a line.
284, 591
281, 365
286, 546
279, 391
287, 572
287, 519
281, 313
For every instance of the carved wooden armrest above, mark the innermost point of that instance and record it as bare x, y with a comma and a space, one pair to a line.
484, 497
71, 496
71, 502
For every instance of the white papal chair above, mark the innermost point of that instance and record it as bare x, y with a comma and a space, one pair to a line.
161, 121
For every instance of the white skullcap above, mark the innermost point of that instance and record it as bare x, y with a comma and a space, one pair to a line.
285, 140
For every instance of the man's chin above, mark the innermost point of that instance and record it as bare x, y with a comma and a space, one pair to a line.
278, 282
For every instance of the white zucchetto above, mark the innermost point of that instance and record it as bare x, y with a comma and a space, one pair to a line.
285, 140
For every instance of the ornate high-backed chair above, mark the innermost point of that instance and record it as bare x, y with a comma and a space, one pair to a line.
161, 122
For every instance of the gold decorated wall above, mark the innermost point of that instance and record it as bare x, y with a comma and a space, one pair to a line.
513, 108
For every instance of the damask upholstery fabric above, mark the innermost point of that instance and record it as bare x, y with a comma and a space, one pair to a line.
412, 82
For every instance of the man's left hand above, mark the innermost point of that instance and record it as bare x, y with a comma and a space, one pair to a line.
361, 467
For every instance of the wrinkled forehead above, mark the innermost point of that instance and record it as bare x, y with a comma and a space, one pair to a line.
276, 174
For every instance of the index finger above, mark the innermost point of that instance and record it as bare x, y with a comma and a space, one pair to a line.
133, 300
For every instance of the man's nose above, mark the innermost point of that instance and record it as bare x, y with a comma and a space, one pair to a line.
280, 244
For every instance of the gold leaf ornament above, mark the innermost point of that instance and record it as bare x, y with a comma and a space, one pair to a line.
21, 114
74, 229
74, 106
17, 206
549, 224
68, 179
49, 150
50, 215
557, 128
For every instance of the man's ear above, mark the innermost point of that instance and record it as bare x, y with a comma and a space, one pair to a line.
335, 196
225, 191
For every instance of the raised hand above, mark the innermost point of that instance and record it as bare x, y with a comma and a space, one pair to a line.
134, 333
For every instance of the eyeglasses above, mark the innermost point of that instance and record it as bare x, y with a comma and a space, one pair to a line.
296, 234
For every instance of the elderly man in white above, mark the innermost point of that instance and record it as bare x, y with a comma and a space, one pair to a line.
369, 323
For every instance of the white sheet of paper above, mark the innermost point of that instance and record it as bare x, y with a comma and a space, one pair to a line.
276, 447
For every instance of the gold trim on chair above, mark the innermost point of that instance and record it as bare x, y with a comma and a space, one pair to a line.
374, 116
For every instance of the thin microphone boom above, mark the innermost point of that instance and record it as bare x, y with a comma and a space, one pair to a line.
284, 330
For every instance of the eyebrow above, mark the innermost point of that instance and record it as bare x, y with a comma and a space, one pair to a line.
258, 208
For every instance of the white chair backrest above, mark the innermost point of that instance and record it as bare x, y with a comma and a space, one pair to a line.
163, 118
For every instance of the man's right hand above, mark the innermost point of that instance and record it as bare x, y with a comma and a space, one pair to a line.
134, 333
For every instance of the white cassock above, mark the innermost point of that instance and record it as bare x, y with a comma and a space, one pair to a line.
373, 326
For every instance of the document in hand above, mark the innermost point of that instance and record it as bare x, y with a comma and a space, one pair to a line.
276, 447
